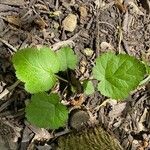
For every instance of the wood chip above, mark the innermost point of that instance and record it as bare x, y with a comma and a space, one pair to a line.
70, 23
83, 13
15, 20
41, 23
12, 2
119, 4
135, 9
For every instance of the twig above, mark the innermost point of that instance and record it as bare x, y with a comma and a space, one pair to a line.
56, 46
8, 45
7, 103
66, 131
125, 22
125, 46
10, 88
120, 39
102, 22
97, 36
56, 4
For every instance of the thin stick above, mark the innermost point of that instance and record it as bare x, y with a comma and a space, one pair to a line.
120, 39
8, 45
10, 88
14, 85
102, 22
56, 46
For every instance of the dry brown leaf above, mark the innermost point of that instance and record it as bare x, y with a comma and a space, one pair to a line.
70, 23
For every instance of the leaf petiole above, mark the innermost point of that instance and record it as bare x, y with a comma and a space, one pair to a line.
62, 79
145, 81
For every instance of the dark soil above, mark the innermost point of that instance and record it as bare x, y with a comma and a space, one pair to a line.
120, 25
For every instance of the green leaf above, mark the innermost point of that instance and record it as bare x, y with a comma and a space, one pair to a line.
118, 75
36, 68
46, 111
88, 87
67, 58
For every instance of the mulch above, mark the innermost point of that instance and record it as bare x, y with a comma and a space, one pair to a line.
120, 25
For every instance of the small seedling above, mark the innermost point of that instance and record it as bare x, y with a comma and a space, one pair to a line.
118, 75
37, 68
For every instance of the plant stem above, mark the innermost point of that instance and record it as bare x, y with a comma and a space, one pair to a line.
145, 81
62, 79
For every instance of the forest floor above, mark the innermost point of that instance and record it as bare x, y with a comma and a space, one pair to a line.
102, 25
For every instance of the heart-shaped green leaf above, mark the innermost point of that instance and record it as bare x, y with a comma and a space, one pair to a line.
118, 74
36, 68
46, 111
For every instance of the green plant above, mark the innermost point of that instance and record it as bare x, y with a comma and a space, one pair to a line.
119, 74
38, 68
